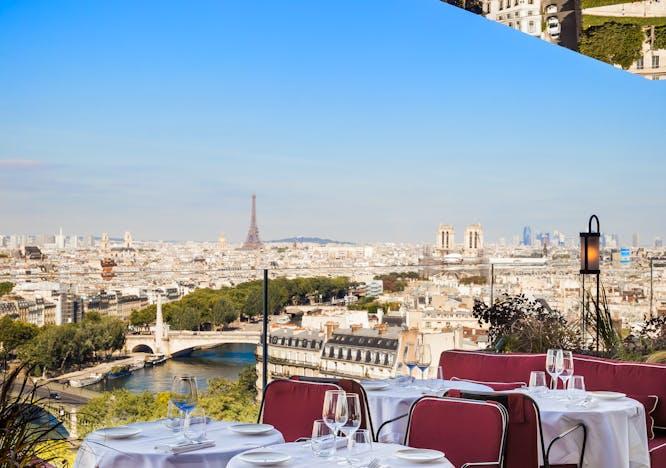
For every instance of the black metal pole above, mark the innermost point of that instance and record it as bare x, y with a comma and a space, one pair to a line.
264, 353
598, 312
651, 285
492, 284
584, 317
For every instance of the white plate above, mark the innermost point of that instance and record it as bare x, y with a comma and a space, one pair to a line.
121, 432
251, 429
375, 386
419, 455
264, 457
607, 395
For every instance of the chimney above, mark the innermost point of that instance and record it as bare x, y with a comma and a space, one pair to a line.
355, 327
382, 328
330, 328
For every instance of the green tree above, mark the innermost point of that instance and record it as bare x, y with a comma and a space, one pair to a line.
6, 287
223, 312
613, 43
253, 304
188, 318
143, 317
13, 334
660, 37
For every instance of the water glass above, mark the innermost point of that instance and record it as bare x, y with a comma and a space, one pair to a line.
173, 418
577, 387
323, 439
440, 373
354, 416
196, 430
538, 382
424, 359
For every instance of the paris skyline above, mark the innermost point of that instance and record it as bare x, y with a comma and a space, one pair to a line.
379, 134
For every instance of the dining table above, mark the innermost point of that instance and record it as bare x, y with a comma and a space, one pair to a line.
616, 429
151, 446
390, 399
300, 455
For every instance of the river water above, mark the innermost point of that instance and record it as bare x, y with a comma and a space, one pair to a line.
225, 361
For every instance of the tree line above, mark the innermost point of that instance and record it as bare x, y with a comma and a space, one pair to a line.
206, 309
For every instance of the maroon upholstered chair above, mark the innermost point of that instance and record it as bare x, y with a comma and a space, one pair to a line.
292, 406
525, 444
469, 432
349, 386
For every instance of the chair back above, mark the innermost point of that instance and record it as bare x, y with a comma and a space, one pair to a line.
349, 386
467, 431
292, 406
524, 435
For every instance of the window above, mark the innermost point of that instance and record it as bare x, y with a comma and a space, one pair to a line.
531, 26
639, 63
517, 24
655, 61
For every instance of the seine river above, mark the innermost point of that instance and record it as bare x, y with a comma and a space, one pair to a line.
225, 361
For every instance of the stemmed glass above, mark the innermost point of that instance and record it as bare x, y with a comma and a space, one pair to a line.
424, 359
410, 358
184, 396
551, 367
565, 366
353, 423
335, 412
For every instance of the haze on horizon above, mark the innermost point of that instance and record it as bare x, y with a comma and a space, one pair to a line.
355, 121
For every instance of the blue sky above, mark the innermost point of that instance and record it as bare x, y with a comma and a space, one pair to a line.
358, 120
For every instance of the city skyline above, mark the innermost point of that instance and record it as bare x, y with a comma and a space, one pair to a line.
375, 135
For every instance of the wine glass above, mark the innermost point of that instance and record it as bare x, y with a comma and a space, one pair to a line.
424, 359
565, 366
410, 358
335, 412
360, 444
353, 417
551, 367
184, 396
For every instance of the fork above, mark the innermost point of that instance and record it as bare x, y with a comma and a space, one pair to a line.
374, 463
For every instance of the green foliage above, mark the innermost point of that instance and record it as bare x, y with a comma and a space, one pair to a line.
246, 299
590, 20
598, 3
24, 436
660, 37
476, 279
371, 305
13, 334
518, 324
613, 42
6, 287
397, 282
224, 399
73, 344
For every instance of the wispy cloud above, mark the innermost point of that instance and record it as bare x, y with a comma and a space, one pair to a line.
20, 164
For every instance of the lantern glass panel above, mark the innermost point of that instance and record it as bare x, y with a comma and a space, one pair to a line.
593, 253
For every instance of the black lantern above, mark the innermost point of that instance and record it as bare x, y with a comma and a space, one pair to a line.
589, 249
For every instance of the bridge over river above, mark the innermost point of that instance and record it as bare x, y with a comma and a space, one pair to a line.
178, 342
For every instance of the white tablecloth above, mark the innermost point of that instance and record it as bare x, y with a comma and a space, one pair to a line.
303, 457
616, 432
396, 400
139, 451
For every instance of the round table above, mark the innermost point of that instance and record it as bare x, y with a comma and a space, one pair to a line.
141, 451
616, 432
302, 456
397, 399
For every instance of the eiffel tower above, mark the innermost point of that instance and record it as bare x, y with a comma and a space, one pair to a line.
252, 241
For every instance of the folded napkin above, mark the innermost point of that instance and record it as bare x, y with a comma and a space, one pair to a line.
186, 447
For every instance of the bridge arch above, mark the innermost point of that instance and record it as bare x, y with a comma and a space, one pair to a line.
142, 348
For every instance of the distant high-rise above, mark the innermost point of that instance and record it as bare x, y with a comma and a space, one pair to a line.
658, 243
527, 236
127, 240
635, 240
60, 240
252, 241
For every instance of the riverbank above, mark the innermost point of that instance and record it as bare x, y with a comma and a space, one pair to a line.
102, 369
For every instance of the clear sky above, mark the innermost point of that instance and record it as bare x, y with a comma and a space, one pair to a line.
356, 120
